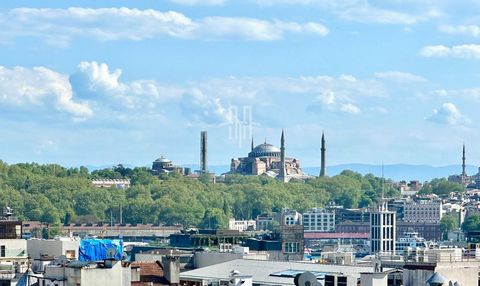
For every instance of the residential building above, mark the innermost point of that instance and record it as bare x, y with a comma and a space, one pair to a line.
319, 220
84, 273
423, 212
45, 251
290, 217
265, 221
242, 225
13, 249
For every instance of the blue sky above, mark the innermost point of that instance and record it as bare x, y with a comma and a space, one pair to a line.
101, 82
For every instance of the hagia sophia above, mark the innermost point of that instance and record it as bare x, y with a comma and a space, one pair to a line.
267, 159
264, 159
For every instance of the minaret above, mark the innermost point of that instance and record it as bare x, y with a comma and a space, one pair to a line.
323, 169
464, 172
282, 174
251, 148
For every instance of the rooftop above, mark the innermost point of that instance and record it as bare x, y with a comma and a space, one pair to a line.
261, 270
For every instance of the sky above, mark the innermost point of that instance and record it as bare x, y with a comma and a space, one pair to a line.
107, 82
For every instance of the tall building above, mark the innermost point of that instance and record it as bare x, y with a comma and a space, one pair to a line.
203, 152
267, 159
323, 167
382, 230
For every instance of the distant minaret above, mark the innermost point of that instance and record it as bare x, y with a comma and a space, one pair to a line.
323, 168
282, 172
252, 145
464, 172
203, 152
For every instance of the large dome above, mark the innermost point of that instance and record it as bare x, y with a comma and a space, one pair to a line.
163, 160
264, 150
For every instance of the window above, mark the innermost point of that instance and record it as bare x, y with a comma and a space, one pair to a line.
2, 251
292, 247
70, 254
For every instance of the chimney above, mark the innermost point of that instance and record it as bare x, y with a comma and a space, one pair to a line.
171, 268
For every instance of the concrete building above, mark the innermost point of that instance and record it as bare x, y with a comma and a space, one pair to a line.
265, 221
274, 273
290, 217
242, 225
382, 230
81, 273
423, 212
45, 251
318, 220
13, 249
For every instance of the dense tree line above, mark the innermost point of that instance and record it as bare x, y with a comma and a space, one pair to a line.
54, 194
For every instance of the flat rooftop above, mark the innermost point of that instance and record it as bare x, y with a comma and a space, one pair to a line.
260, 270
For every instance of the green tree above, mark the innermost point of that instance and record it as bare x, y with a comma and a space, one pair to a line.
448, 223
471, 223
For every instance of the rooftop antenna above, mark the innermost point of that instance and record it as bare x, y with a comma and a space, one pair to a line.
384, 208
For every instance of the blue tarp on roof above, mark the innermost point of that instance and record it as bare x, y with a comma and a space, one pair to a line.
96, 249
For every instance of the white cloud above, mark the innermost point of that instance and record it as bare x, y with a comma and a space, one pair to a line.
400, 77
329, 100
465, 93
95, 81
471, 51
449, 114
467, 30
198, 2
366, 12
200, 107
60, 26
40, 88
349, 108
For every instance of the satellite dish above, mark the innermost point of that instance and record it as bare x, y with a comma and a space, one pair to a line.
306, 279
111, 253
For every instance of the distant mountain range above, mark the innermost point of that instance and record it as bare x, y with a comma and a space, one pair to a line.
396, 172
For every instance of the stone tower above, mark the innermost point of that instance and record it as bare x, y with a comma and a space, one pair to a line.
323, 168
464, 166
282, 174
203, 152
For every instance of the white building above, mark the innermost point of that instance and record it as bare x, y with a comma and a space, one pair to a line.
44, 251
80, 273
382, 230
109, 183
241, 225
290, 217
423, 212
318, 220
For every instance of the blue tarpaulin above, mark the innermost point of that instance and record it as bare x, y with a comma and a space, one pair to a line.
96, 249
